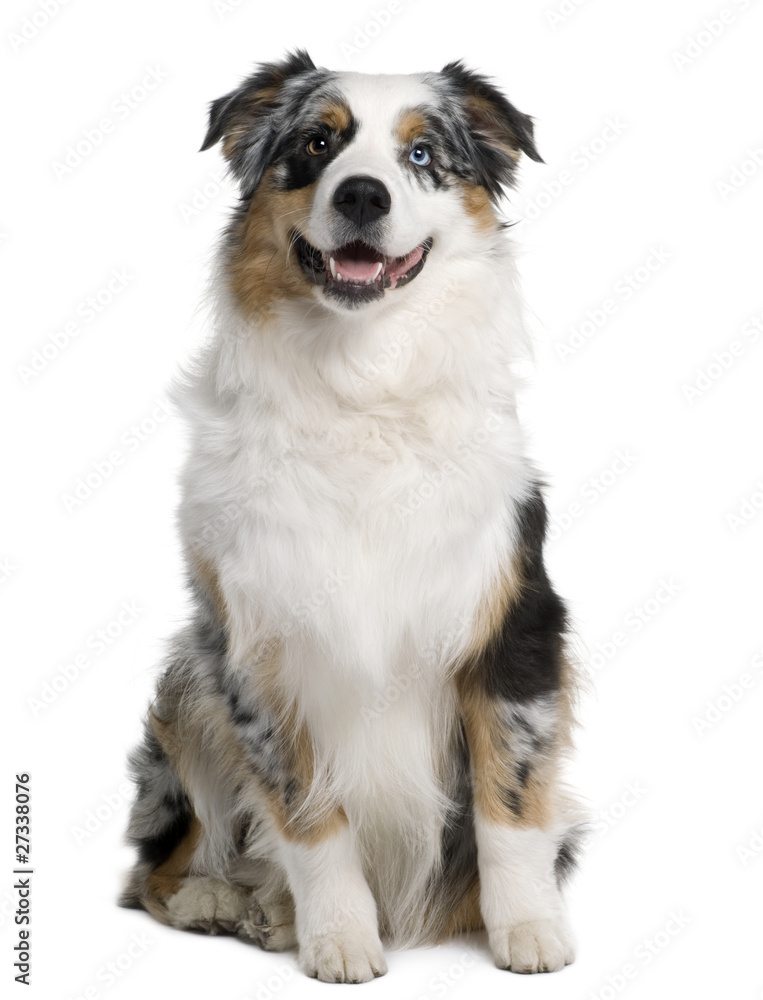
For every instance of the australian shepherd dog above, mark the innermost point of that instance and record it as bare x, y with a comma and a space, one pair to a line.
359, 735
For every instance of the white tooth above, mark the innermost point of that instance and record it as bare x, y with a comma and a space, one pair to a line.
379, 268
332, 265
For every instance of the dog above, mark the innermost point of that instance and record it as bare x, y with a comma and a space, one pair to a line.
359, 735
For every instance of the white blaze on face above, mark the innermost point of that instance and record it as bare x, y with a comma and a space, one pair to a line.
376, 103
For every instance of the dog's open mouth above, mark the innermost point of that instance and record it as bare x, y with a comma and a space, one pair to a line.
356, 272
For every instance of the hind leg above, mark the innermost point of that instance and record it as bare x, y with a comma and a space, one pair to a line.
162, 827
269, 922
208, 904
165, 883
242, 756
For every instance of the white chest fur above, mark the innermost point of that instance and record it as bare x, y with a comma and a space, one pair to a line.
361, 511
359, 504
372, 534
363, 520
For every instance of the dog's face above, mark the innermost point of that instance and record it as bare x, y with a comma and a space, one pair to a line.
351, 183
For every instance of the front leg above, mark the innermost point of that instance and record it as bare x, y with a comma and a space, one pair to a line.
515, 695
519, 836
336, 920
306, 830
335, 912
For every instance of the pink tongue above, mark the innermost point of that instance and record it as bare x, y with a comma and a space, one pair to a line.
401, 265
357, 264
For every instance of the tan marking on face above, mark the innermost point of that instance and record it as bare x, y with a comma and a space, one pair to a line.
336, 115
477, 204
411, 126
263, 268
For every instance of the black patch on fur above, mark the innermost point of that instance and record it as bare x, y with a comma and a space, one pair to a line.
150, 761
301, 168
210, 636
272, 116
512, 800
310, 259
568, 855
242, 833
290, 792
543, 744
224, 111
433, 139
477, 127
523, 660
459, 869
155, 850
241, 716
523, 772
472, 128
256, 730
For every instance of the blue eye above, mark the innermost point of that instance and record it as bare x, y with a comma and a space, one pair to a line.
420, 156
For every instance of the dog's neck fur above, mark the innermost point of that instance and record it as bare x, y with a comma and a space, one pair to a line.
436, 341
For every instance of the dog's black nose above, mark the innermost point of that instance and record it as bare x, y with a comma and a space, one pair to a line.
362, 199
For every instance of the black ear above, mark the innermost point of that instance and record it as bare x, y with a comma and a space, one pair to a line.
500, 130
244, 119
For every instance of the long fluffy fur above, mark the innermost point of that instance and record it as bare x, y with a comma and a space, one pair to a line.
377, 658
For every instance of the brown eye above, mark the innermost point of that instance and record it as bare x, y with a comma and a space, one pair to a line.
317, 145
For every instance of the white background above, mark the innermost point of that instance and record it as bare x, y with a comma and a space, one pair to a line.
674, 802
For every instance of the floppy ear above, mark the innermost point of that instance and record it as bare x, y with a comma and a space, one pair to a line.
500, 131
244, 119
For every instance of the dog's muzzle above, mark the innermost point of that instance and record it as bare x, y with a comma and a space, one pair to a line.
358, 270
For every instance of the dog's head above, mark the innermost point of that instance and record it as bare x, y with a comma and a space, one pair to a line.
352, 184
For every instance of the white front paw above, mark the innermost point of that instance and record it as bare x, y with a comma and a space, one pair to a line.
533, 946
350, 957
